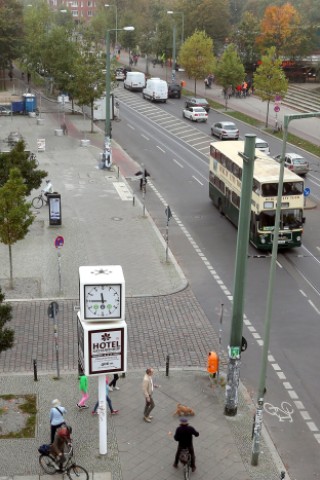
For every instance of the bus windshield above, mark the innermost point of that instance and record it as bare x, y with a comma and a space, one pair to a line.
289, 188
288, 219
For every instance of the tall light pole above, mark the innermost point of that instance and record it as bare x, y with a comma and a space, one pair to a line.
171, 12
108, 83
257, 427
116, 8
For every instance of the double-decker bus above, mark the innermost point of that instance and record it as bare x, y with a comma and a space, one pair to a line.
225, 189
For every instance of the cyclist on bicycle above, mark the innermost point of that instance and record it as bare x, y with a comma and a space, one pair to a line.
61, 440
183, 435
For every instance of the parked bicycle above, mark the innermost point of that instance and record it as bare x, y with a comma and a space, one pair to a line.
49, 464
42, 198
185, 459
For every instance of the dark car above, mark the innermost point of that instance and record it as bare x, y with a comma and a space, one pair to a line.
198, 102
174, 90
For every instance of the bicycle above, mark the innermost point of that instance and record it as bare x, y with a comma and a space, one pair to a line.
40, 200
185, 459
49, 464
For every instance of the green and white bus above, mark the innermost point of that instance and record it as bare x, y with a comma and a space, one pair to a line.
225, 189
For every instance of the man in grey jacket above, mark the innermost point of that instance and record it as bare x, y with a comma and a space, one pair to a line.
147, 388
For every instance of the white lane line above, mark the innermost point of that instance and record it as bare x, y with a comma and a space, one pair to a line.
144, 136
305, 415
299, 405
302, 293
161, 149
313, 427
287, 385
131, 126
271, 358
276, 367
317, 437
281, 376
314, 307
197, 180
292, 394
178, 163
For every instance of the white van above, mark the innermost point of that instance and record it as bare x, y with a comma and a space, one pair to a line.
263, 146
156, 90
135, 81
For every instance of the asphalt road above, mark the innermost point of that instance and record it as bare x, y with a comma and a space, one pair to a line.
175, 153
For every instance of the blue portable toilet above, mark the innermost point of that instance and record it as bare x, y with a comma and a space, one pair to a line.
30, 102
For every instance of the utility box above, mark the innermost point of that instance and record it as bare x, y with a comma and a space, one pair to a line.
55, 215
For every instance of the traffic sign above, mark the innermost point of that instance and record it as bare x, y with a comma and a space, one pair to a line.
59, 241
306, 192
277, 108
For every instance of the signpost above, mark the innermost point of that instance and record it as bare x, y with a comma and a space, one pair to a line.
58, 243
168, 215
306, 193
53, 310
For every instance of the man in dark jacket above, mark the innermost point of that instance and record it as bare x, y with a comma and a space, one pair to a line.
183, 435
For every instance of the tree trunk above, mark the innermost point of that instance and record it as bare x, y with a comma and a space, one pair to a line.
91, 107
11, 269
267, 118
195, 87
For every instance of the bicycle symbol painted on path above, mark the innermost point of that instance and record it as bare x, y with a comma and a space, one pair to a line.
283, 412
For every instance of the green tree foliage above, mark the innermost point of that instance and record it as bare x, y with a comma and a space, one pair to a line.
11, 33
15, 213
244, 37
19, 158
6, 334
196, 56
269, 79
229, 70
210, 16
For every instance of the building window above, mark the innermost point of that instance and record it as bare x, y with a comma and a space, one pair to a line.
74, 13
89, 13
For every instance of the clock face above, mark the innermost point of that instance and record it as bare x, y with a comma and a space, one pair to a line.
102, 301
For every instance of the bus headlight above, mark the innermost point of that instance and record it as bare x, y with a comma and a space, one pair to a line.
263, 240
298, 238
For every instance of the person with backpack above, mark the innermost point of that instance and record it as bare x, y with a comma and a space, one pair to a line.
62, 438
56, 417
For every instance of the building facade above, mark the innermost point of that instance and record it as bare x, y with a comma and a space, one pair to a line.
81, 10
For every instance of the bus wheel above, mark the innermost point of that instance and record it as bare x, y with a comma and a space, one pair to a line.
220, 207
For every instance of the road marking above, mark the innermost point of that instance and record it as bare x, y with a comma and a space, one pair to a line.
313, 427
131, 126
197, 180
305, 415
145, 136
161, 149
178, 163
314, 307
292, 394
302, 293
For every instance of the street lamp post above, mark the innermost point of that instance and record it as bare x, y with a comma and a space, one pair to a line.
116, 9
171, 12
257, 427
108, 83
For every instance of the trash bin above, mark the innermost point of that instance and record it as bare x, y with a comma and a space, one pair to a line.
213, 363
55, 216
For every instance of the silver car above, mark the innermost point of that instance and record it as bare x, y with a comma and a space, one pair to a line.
225, 130
295, 162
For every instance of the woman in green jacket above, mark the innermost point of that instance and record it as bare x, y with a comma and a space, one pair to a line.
83, 386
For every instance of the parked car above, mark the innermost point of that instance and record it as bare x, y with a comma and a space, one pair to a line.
196, 114
263, 146
295, 162
174, 90
5, 110
13, 138
224, 130
198, 102
120, 73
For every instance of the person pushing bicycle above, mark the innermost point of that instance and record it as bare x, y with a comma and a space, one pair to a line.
184, 436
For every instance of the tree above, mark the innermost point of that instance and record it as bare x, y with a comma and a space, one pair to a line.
6, 334
196, 56
229, 70
269, 79
244, 37
11, 33
15, 213
19, 158
281, 27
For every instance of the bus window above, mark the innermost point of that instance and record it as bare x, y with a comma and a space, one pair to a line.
267, 220
291, 218
256, 187
292, 188
269, 189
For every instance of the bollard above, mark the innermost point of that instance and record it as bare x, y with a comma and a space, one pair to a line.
167, 365
118, 172
133, 200
35, 374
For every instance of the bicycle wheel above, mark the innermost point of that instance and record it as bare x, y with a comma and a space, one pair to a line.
37, 202
47, 464
77, 472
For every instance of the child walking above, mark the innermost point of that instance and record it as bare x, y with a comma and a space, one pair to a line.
83, 387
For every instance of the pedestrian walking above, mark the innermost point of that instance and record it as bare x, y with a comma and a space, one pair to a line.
147, 388
64, 128
83, 387
56, 417
184, 435
113, 383
112, 410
